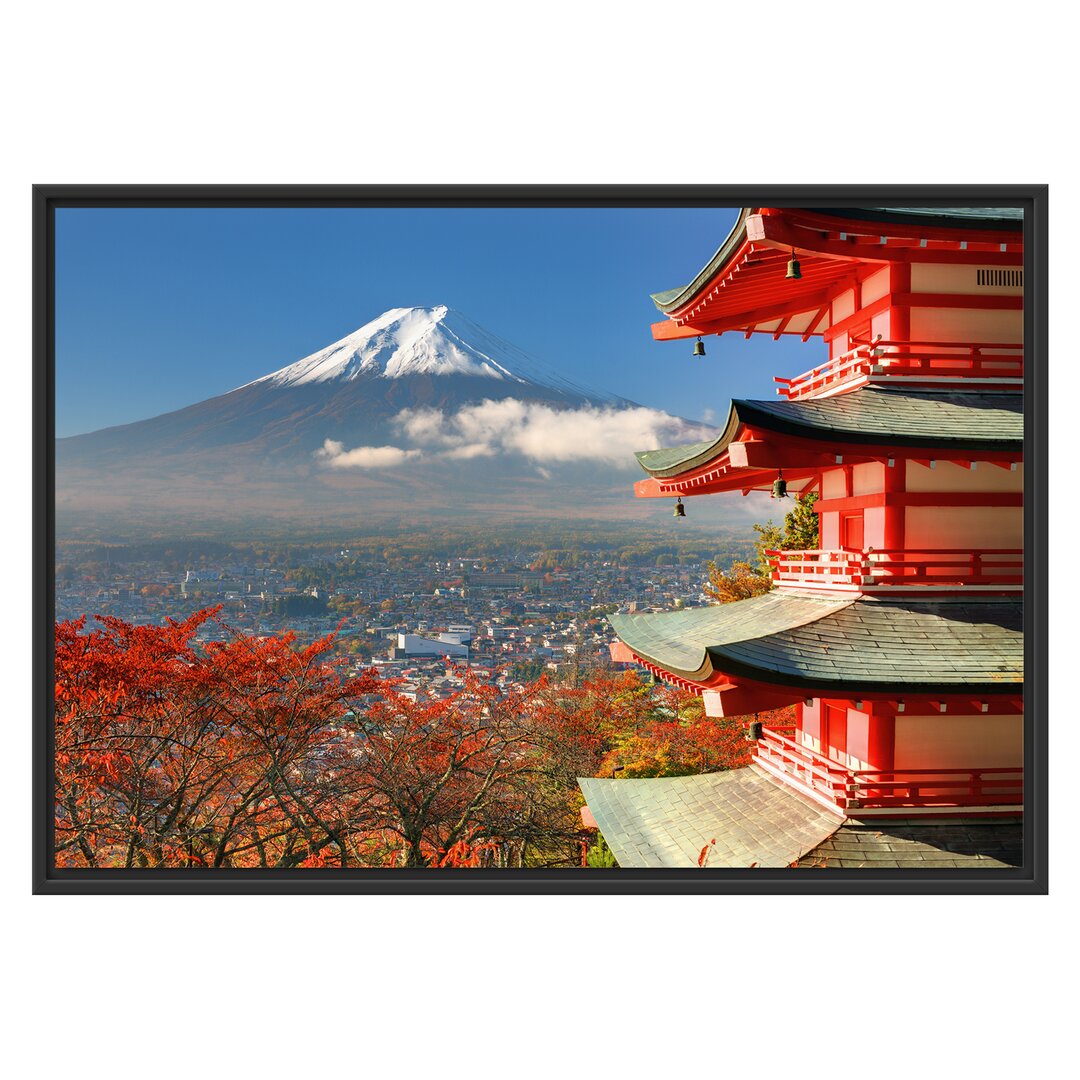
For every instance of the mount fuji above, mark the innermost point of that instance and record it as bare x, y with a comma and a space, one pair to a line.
419, 407
405, 342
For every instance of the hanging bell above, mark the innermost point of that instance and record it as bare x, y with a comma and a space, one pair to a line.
779, 486
793, 270
680, 510
699, 347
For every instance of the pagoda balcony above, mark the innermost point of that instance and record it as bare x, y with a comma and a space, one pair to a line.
926, 364
886, 570
896, 792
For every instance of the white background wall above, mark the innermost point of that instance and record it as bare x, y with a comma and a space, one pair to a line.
603, 94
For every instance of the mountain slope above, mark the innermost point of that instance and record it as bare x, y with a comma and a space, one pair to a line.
348, 392
419, 405
402, 342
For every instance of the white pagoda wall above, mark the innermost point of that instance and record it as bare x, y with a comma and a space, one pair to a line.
972, 527
964, 526
932, 526
943, 324
965, 324
980, 741
950, 278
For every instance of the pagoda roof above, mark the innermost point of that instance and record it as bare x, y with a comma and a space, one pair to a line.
955, 217
957, 420
670, 299
744, 285
912, 844
743, 817
820, 643
1005, 218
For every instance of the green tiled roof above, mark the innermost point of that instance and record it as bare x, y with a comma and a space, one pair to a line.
680, 640
743, 816
859, 645
675, 459
982, 217
972, 843
661, 298
871, 414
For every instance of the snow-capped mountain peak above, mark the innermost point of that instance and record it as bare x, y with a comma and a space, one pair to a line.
408, 341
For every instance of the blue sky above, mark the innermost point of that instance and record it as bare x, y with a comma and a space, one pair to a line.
158, 309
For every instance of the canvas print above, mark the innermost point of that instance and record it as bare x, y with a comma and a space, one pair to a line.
534, 538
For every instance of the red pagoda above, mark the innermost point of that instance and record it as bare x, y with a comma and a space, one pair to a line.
899, 641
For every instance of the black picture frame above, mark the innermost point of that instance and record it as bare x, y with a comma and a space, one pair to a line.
1031, 878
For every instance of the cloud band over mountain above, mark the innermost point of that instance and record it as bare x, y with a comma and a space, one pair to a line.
419, 407
538, 432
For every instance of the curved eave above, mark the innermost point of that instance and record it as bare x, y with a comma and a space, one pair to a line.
744, 285
956, 421
680, 642
676, 460
673, 299
870, 416
990, 684
861, 646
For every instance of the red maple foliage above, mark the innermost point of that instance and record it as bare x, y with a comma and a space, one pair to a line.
226, 755
260, 752
446, 778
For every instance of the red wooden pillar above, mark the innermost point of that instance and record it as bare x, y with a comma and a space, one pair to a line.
881, 748
895, 484
900, 316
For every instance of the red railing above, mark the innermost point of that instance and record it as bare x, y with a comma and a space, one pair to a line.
818, 569
806, 767
931, 361
983, 568
853, 789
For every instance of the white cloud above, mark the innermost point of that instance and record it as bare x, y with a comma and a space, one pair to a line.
469, 451
424, 426
335, 455
540, 433
545, 434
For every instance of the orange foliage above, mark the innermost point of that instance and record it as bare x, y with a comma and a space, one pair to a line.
674, 737
260, 753
257, 752
169, 755
740, 582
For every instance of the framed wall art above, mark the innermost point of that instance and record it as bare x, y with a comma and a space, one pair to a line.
541, 539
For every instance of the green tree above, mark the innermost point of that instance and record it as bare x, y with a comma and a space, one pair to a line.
800, 531
599, 856
742, 580
801, 524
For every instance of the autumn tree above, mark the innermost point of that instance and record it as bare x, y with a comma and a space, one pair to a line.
743, 580
739, 582
676, 738
575, 727
800, 529
445, 775
171, 755
600, 856
259, 752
